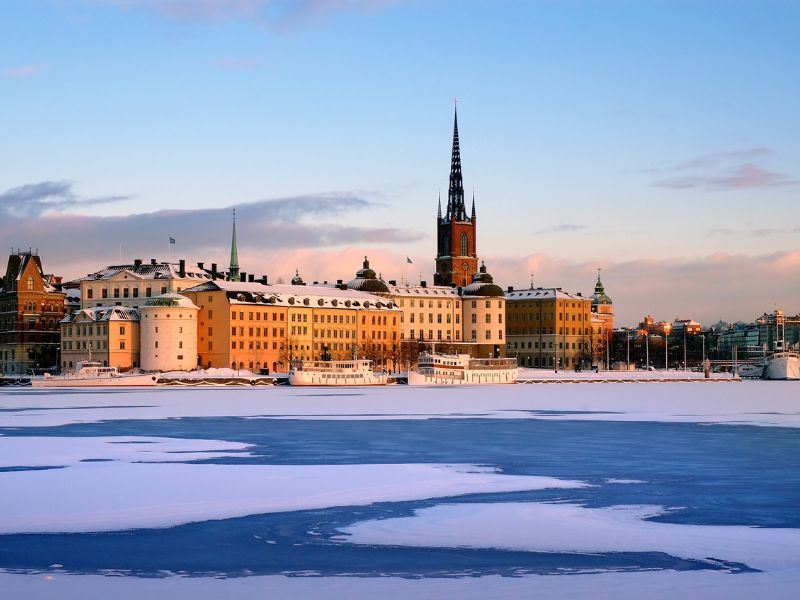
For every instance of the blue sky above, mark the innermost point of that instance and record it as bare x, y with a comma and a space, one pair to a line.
658, 139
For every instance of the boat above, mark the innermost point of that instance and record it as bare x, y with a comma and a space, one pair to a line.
461, 369
335, 373
92, 374
782, 365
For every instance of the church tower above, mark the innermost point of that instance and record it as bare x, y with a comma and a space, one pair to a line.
233, 269
456, 255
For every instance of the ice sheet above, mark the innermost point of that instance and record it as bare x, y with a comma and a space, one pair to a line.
101, 496
543, 527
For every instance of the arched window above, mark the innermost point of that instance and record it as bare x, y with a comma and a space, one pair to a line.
445, 245
464, 245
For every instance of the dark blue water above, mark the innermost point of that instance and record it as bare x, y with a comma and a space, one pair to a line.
720, 475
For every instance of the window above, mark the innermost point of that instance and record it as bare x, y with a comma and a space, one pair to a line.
474, 318
90, 293
122, 329
148, 291
464, 244
136, 292
116, 292
125, 293
122, 344
156, 343
163, 289
104, 293
30, 283
180, 329
488, 317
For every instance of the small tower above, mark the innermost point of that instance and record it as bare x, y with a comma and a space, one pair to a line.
233, 269
456, 256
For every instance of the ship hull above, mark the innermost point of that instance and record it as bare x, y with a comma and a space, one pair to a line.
307, 378
477, 377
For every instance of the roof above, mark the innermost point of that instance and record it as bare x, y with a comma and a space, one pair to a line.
17, 264
415, 291
542, 294
367, 281
240, 292
169, 300
160, 270
483, 285
103, 313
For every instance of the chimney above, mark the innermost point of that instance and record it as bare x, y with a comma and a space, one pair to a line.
510, 289
200, 266
153, 261
243, 277
339, 282
392, 282
213, 270
423, 284
182, 268
137, 262
341, 286
251, 278
458, 290
264, 279
315, 283
325, 282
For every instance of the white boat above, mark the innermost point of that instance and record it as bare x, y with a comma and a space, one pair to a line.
93, 374
460, 369
335, 373
782, 365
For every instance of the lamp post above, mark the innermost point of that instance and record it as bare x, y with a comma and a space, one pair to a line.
647, 349
628, 350
666, 350
684, 347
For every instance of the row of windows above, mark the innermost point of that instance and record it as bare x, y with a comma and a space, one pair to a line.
251, 331
546, 345
545, 330
257, 314
430, 318
125, 292
421, 335
91, 344
400, 302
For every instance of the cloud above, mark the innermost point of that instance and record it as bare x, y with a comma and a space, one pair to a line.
567, 227
21, 71
236, 63
277, 14
714, 160
73, 244
747, 176
37, 199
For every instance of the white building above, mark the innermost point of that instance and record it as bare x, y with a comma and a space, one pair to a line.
168, 324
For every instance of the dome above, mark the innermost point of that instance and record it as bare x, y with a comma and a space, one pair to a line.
297, 280
600, 296
483, 285
367, 281
169, 300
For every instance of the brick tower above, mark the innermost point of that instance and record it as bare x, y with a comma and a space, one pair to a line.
456, 255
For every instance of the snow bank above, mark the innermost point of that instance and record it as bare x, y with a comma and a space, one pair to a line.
750, 402
654, 585
544, 527
102, 496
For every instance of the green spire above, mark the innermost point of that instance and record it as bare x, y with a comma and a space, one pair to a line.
233, 270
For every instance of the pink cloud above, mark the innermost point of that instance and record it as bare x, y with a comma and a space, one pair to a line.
21, 71
742, 177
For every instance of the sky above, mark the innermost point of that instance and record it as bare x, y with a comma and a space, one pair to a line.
658, 140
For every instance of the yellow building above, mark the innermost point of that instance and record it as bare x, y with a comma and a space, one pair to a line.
549, 328
250, 325
110, 335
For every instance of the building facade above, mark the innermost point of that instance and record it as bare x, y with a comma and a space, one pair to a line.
132, 284
550, 328
109, 335
169, 333
31, 308
251, 325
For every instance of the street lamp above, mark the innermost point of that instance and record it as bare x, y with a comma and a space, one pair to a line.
647, 349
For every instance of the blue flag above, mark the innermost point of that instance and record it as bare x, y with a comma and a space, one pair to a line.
172, 241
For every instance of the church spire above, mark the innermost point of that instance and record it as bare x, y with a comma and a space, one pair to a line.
473, 204
439, 211
233, 270
455, 195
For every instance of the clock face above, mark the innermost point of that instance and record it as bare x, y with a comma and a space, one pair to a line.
464, 266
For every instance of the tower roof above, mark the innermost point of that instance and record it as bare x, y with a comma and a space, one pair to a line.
366, 280
600, 296
234, 266
456, 211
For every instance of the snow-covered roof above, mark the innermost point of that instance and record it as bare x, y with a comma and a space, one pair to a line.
542, 294
169, 300
159, 270
415, 291
290, 295
102, 313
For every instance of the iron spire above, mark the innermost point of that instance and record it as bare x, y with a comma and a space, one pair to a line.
439, 211
473, 204
455, 194
233, 269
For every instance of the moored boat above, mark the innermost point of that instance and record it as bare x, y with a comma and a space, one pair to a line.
335, 373
93, 374
460, 369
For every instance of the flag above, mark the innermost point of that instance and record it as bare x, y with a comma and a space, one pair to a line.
408, 260
172, 241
